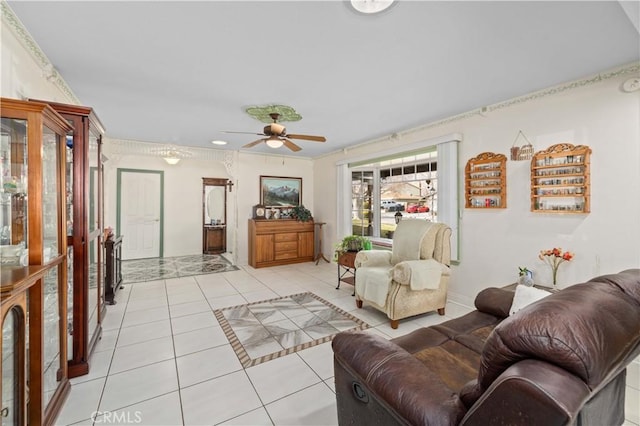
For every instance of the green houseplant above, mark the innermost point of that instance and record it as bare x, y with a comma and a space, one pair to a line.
351, 243
301, 213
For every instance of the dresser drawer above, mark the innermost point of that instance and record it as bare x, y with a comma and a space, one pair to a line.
286, 246
282, 255
288, 236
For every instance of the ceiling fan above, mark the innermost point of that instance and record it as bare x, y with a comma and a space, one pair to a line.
276, 136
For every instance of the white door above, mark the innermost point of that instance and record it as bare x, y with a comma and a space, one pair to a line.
140, 213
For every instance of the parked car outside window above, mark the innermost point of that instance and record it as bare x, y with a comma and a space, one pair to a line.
417, 208
391, 205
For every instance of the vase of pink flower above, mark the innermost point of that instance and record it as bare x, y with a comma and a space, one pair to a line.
554, 258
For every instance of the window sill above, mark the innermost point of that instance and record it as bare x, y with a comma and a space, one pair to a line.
384, 243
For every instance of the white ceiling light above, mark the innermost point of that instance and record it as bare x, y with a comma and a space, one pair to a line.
274, 142
371, 6
172, 154
218, 142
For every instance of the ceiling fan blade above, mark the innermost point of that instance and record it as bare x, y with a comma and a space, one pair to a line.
308, 137
243, 133
292, 146
254, 143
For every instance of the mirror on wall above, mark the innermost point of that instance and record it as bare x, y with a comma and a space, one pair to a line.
215, 205
214, 215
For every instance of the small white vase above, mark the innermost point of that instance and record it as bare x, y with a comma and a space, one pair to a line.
526, 279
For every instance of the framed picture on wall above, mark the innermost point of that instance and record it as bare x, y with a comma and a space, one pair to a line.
277, 191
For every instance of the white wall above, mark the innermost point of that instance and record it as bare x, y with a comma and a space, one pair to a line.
182, 197
494, 243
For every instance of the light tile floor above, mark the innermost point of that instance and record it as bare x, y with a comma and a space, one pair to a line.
164, 360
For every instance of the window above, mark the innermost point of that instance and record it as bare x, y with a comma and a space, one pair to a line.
405, 186
361, 202
419, 180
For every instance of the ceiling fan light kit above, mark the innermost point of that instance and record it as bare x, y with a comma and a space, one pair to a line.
274, 142
276, 135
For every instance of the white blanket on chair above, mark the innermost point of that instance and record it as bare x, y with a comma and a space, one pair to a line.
372, 284
419, 274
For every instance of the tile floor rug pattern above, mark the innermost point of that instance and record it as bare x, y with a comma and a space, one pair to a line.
265, 330
159, 268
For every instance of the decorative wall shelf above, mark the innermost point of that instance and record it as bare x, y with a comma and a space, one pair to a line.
486, 182
560, 179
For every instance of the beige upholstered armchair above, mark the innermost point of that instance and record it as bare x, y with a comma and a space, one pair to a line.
411, 279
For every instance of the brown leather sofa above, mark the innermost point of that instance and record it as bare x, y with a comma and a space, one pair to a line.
559, 361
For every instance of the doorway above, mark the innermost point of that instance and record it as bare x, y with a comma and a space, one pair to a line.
140, 216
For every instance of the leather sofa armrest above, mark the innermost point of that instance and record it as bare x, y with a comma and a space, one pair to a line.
370, 368
529, 392
372, 258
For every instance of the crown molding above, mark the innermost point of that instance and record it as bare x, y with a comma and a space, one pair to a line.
633, 68
24, 37
155, 149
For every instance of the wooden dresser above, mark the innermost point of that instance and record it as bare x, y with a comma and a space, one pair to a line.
280, 242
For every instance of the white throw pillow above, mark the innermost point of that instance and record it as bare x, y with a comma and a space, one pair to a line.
525, 296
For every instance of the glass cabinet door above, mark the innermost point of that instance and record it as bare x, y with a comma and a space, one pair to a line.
13, 193
70, 220
50, 195
51, 332
95, 296
54, 286
13, 338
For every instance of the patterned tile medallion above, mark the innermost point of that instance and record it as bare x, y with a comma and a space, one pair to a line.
262, 331
138, 270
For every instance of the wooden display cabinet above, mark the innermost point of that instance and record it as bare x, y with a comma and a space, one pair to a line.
33, 256
280, 242
84, 200
560, 179
486, 182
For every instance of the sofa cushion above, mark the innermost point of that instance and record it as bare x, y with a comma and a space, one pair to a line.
494, 301
451, 349
524, 296
587, 329
627, 281
408, 239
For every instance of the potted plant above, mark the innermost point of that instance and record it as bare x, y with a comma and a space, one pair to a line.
351, 243
301, 213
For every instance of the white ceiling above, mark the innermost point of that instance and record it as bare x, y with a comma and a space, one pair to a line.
180, 72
